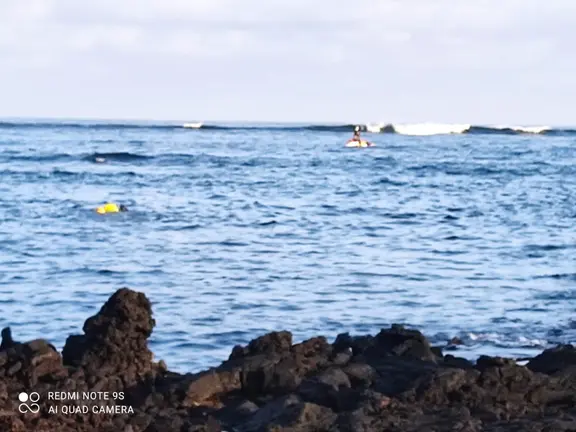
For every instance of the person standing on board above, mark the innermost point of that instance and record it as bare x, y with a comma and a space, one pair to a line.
356, 136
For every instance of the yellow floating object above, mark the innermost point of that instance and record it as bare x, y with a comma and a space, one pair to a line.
108, 208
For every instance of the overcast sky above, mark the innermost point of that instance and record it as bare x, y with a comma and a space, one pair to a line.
452, 61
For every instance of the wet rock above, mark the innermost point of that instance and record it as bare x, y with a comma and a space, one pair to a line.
455, 341
437, 351
554, 359
485, 362
399, 341
457, 362
357, 344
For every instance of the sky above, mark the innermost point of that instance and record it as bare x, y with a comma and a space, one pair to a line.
403, 61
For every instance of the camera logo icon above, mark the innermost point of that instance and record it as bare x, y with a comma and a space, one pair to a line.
32, 397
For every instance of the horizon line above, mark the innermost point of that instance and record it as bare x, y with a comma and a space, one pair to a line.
319, 122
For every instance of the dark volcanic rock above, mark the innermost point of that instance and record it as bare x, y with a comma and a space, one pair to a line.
7, 341
394, 381
395, 341
289, 414
115, 339
398, 341
272, 343
554, 360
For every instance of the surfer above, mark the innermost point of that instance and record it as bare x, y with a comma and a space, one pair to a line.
111, 208
356, 141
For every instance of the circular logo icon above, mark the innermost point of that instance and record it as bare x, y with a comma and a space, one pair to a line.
32, 397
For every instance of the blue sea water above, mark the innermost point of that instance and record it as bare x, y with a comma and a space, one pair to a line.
234, 232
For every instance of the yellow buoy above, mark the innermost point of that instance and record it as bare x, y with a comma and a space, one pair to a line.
108, 208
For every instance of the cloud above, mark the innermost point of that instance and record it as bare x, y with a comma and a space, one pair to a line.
184, 27
395, 48
230, 27
422, 31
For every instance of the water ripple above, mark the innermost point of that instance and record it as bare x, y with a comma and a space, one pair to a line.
232, 234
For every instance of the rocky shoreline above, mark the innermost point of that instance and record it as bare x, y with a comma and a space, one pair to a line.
106, 380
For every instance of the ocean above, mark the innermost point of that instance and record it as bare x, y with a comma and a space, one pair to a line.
238, 230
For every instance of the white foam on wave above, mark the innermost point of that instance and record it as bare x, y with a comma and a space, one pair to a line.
508, 340
197, 125
511, 341
424, 129
375, 127
427, 129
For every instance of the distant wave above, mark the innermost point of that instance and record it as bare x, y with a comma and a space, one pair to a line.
192, 125
94, 157
412, 129
116, 157
283, 128
71, 125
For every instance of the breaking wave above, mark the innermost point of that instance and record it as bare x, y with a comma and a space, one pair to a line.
425, 129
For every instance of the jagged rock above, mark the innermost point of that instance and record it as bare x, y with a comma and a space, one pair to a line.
236, 412
268, 413
167, 422
341, 358
357, 344
328, 389
115, 339
7, 341
457, 362
277, 376
289, 414
31, 362
207, 385
302, 417
554, 359
271, 343
361, 374
394, 382
271, 365
399, 341
12, 424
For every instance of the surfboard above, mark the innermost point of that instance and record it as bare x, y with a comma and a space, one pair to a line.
361, 143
